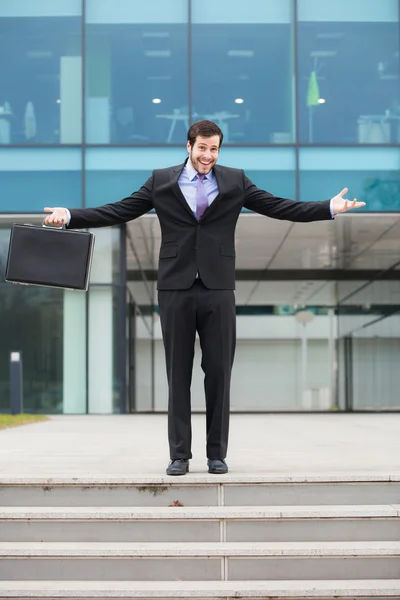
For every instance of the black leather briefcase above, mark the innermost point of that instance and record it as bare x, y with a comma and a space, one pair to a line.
49, 256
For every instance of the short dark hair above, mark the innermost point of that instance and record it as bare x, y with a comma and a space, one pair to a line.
205, 129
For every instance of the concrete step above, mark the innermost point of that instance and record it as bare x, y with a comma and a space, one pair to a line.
202, 549
218, 590
199, 561
201, 524
195, 490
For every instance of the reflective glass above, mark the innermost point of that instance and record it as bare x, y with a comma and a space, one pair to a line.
369, 344
242, 69
31, 179
32, 321
371, 175
40, 73
112, 174
348, 72
271, 169
137, 72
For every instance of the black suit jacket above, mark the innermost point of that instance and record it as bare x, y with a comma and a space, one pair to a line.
189, 246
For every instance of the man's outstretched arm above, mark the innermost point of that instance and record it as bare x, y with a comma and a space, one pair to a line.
132, 207
264, 203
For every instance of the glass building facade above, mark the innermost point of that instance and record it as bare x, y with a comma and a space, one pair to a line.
95, 94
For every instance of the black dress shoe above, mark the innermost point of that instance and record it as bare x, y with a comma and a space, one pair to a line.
178, 466
217, 466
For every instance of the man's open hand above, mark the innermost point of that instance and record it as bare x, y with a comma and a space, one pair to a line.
341, 205
58, 216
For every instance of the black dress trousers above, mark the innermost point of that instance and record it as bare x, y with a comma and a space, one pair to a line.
212, 313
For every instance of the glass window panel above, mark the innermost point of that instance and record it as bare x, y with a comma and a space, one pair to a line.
342, 10
115, 173
136, 80
40, 73
121, 11
49, 327
348, 65
371, 175
35, 178
31, 321
234, 81
271, 169
369, 324
40, 8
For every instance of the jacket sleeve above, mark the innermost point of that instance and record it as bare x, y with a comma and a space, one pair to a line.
127, 209
266, 204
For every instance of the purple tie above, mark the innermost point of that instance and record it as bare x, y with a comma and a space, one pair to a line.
201, 196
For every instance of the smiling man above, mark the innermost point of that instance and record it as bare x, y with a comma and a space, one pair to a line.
198, 204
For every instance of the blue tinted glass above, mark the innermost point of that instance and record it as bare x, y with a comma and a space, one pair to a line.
271, 169
348, 65
41, 77
242, 69
114, 173
35, 178
137, 72
371, 176
278, 183
103, 187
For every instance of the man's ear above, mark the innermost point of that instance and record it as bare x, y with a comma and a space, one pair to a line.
189, 147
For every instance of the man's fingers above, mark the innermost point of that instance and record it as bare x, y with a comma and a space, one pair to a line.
343, 192
56, 218
354, 204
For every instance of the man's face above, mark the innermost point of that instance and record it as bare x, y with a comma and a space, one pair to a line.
204, 153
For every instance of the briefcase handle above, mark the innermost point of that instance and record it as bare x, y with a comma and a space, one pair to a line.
53, 226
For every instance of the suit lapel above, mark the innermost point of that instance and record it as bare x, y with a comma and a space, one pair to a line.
176, 171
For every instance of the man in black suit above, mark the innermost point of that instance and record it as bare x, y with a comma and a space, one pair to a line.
198, 204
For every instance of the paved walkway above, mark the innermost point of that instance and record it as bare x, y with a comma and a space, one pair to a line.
135, 446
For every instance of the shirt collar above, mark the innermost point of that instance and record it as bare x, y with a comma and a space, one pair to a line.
192, 173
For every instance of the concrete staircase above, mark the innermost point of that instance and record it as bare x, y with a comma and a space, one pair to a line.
200, 537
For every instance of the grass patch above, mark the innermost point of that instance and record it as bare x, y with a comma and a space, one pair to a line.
16, 420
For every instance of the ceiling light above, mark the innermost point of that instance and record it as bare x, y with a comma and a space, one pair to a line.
239, 100
39, 54
244, 53
58, 101
330, 36
156, 101
323, 53
158, 53
155, 34
321, 101
158, 77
